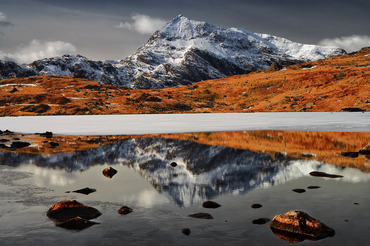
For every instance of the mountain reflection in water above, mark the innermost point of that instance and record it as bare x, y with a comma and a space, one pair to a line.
202, 171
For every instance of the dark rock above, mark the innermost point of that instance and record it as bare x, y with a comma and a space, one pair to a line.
85, 191
109, 172
260, 221
173, 164
299, 190
4, 140
125, 210
256, 205
352, 110
356, 203
46, 134
53, 145
16, 139
313, 187
325, 175
364, 152
69, 209
350, 154
18, 145
201, 216
210, 204
186, 231
14, 90
296, 226
76, 223
275, 66
1, 132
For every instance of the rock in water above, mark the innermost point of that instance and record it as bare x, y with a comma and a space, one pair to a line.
260, 221
109, 172
69, 209
125, 210
201, 216
85, 191
76, 223
210, 204
186, 231
296, 226
325, 175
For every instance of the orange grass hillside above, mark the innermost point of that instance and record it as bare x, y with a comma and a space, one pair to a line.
332, 84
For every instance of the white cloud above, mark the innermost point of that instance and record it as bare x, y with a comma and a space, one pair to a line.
349, 43
142, 24
38, 50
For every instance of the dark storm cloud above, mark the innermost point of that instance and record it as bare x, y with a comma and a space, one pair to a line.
91, 25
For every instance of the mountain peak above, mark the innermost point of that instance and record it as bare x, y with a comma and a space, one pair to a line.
182, 27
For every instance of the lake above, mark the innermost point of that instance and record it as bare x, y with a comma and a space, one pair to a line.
166, 176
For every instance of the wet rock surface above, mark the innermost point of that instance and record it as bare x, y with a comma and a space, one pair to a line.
109, 172
201, 216
69, 209
325, 175
256, 205
350, 154
299, 190
85, 191
125, 210
186, 231
260, 221
313, 187
210, 204
296, 226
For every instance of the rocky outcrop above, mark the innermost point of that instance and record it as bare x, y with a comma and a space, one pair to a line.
296, 226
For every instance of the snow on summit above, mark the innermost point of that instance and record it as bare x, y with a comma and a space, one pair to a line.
185, 51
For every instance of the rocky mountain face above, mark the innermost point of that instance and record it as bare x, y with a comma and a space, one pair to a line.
181, 52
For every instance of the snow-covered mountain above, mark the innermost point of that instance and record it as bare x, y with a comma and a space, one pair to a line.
202, 172
185, 51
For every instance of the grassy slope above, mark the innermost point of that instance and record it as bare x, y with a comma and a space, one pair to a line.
324, 85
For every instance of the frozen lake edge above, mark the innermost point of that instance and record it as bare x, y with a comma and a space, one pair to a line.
181, 123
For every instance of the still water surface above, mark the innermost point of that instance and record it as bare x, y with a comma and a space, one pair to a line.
163, 196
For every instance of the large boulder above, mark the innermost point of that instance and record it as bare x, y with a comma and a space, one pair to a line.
69, 209
296, 226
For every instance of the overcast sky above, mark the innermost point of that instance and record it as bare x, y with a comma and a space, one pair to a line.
113, 29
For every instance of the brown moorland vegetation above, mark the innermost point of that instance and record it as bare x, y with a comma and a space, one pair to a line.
332, 84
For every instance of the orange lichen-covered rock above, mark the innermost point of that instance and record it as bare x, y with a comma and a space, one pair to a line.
109, 172
69, 209
295, 226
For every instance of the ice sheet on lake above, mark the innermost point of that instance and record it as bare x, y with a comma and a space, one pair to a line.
179, 123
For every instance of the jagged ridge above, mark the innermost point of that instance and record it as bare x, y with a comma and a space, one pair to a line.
182, 52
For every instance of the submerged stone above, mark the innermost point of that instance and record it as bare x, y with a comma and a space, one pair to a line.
299, 190
210, 204
260, 221
325, 175
256, 205
125, 210
186, 231
85, 191
201, 216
